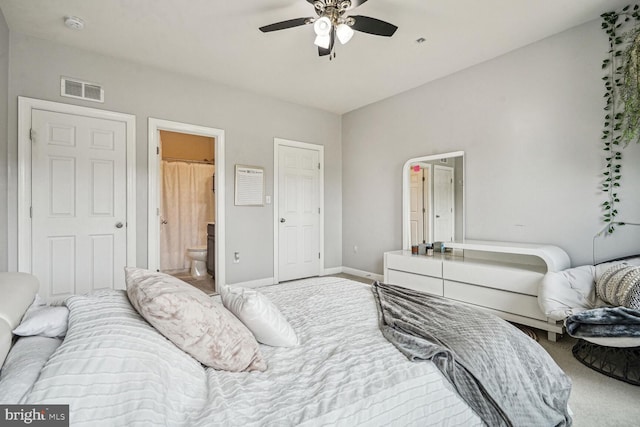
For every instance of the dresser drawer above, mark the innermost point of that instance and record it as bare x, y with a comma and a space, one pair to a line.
417, 282
424, 265
510, 277
510, 302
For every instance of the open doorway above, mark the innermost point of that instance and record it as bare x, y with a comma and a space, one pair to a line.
187, 208
186, 202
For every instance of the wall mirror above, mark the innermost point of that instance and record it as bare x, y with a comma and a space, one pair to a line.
433, 199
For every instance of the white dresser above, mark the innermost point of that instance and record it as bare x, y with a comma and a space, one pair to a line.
502, 278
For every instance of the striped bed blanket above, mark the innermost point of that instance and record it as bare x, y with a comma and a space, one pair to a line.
113, 368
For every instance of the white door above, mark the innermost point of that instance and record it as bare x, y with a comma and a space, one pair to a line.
79, 233
298, 213
417, 206
443, 203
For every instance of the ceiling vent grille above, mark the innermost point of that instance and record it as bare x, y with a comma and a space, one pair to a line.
73, 88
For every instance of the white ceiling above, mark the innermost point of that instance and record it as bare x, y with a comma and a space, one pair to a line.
220, 40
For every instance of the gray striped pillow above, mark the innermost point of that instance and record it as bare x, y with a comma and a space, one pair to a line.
620, 286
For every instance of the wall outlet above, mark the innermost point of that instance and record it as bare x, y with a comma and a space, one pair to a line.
236, 257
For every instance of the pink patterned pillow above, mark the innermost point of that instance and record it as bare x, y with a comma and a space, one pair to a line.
194, 322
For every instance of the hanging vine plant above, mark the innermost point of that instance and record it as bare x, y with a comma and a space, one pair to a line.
622, 94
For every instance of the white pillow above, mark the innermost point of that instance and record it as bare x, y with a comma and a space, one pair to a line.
564, 293
260, 315
43, 320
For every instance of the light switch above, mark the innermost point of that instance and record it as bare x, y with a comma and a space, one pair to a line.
268, 200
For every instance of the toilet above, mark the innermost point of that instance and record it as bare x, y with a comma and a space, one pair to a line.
198, 257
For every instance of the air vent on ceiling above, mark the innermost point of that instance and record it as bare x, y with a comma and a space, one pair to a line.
73, 88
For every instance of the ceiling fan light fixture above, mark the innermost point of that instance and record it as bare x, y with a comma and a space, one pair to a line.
322, 26
344, 33
323, 41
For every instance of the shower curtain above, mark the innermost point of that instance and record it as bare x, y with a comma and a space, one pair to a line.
187, 207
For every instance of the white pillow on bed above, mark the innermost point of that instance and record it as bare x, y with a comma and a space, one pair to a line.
43, 320
260, 315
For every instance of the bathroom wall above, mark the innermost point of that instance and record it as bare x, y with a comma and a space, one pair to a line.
188, 147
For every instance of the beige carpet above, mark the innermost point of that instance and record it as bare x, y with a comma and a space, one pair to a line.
596, 400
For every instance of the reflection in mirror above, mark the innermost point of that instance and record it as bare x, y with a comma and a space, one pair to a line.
433, 199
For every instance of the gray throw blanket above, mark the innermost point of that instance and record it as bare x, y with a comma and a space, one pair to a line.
605, 322
502, 374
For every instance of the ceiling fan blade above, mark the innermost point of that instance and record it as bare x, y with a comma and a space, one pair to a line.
356, 3
374, 26
285, 24
324, 52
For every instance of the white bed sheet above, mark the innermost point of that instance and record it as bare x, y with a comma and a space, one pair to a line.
114, 369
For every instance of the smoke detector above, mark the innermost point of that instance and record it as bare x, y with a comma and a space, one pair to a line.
74, 22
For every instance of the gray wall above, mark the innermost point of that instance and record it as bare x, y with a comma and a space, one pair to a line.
4, 88
530, 124
250, 122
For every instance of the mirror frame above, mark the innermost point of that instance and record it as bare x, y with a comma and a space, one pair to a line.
406, 215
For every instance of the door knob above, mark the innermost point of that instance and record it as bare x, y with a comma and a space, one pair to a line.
282, 220
118, 225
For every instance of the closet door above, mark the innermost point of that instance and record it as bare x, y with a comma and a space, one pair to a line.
298, 213
443, 204
79, 232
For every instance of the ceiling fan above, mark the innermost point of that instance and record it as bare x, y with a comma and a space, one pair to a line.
332, 22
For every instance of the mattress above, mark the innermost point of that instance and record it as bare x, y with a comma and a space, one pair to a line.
114, 369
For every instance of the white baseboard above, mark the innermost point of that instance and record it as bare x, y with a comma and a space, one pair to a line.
361, 273
255, 283
332, 270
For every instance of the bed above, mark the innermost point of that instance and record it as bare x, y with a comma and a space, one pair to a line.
114, 368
